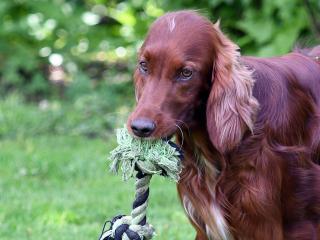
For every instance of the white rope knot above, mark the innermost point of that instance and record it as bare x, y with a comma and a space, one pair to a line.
134, 227
123, 228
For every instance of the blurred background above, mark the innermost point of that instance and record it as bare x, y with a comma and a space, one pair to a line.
65, 84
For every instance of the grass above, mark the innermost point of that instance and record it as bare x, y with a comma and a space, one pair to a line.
57, 186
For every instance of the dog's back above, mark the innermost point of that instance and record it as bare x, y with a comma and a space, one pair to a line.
301, 66
280, 82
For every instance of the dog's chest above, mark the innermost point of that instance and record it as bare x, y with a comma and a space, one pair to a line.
217, 229
215, 225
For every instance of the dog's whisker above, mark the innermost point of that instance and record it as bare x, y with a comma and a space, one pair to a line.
185, 125
182, 136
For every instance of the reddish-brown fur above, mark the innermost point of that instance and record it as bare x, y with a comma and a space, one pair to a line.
249, 128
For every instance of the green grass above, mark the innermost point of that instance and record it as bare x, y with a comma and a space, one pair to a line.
58, 187
54, 180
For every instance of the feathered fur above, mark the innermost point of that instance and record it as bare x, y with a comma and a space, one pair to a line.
249, 128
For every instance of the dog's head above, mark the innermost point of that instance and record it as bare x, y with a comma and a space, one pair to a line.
188, 73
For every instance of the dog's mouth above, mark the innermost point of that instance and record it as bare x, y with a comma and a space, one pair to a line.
168, 138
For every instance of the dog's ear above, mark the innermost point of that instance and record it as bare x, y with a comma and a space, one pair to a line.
231, 106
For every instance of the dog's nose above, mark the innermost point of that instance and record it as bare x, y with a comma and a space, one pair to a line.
143, 127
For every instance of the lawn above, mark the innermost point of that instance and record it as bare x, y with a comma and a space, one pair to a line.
57, 186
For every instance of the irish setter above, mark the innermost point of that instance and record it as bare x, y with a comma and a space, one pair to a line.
249, 128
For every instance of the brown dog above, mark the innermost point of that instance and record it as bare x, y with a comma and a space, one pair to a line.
249, 127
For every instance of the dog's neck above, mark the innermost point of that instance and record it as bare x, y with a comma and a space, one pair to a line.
204, 147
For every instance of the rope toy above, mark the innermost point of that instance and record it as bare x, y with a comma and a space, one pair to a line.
142, 158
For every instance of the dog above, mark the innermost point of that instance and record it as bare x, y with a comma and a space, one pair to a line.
249, 128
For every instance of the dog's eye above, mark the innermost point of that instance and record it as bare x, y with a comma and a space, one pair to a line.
186, 74
143, 66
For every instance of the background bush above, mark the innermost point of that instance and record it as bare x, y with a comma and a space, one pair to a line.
48, 46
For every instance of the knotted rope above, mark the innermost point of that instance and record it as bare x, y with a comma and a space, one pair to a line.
146, 158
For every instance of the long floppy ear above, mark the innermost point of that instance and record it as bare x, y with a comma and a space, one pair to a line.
231, 107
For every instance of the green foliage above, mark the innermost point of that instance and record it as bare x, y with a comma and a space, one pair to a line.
35, 31
91, 115
263, 28
80, 33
